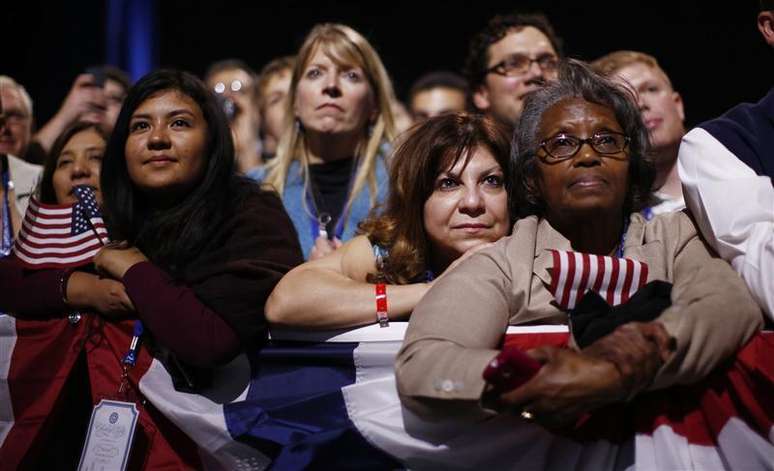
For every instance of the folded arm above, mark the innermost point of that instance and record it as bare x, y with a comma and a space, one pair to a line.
38, 293
332, 292
454, 333
712, 313
181, 322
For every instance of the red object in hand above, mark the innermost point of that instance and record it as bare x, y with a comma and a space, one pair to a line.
510, 369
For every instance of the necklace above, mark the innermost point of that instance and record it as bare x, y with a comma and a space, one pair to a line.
320, 220
6, 238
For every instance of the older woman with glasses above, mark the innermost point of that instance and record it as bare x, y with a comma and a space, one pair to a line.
582, 175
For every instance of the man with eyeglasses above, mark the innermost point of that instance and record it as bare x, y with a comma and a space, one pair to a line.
17, 177
512, 56
726, 166
17, 117
663, 114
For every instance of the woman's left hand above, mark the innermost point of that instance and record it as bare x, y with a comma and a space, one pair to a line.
568, 385
115, 259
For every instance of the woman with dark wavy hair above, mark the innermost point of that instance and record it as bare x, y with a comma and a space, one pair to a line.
449, 194
582, 175
201, 247
198, 251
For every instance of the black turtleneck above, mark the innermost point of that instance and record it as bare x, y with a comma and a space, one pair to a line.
330, 188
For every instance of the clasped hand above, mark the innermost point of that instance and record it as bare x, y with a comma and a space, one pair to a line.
116, 258
106, 293
571, 383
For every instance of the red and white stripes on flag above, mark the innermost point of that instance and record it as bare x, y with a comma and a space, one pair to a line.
51, 237
615, 279
722, 422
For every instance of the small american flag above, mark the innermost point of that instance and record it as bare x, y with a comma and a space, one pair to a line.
60, 236
615, 279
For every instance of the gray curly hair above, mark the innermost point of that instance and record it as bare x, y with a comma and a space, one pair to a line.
578, 80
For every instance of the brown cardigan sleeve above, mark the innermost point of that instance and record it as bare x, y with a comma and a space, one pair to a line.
453, 333
712, 313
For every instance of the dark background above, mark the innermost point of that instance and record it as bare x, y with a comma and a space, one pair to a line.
712, 51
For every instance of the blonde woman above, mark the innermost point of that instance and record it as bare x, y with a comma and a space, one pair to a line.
330, 167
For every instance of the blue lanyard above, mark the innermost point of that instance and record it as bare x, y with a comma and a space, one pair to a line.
131, 356
7, 242
620, 250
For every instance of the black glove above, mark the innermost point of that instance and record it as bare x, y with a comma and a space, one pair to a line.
592, 318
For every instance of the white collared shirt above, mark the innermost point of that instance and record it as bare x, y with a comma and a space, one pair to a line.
734, 208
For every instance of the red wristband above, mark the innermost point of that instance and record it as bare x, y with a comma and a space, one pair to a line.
381, 305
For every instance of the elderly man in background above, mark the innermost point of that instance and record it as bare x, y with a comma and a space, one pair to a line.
17, 177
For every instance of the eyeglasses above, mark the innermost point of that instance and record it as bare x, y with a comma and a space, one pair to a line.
564, 146
14, 118
235, 86
519, 64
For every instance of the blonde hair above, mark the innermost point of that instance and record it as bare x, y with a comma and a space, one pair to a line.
276, 67
611, 63
343, 45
